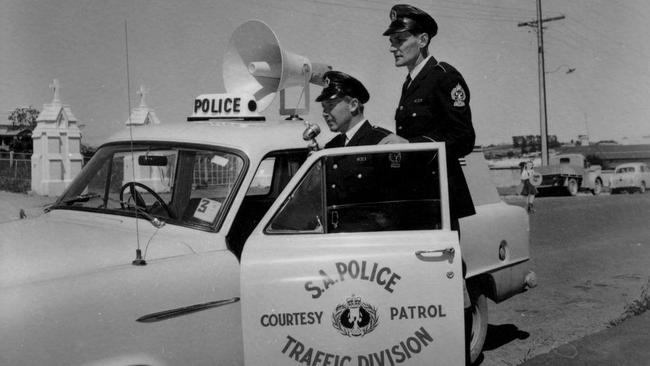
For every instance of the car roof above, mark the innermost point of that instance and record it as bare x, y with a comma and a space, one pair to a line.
250, 137
629, 165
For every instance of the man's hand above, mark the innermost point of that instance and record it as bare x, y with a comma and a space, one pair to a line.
393, 139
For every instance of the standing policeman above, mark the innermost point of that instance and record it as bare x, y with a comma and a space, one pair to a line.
434, 105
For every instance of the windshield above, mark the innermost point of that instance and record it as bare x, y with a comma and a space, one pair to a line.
182, 185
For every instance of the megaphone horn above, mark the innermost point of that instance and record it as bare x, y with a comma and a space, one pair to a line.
255, 64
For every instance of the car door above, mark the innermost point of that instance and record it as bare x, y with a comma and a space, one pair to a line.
355, 264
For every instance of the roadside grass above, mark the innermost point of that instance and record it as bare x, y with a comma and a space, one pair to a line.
636, 307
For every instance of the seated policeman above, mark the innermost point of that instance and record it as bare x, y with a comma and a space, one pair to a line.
342, 99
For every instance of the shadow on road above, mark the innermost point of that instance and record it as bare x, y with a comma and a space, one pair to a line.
499, 335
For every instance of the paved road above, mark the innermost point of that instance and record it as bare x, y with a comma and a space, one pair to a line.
623, 345
591, 254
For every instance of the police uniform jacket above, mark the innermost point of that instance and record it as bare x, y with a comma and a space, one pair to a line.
367, 134
356, 178
435, 107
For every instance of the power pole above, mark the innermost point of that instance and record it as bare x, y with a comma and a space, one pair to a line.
543, 125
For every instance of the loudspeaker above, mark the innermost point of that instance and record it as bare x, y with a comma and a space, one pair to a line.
257, 65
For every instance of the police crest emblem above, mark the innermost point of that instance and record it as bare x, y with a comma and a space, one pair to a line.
458, 96
355, 318
395, 159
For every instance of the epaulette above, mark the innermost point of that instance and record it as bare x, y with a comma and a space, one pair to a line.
383, 130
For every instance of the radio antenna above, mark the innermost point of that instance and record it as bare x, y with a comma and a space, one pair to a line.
138, 261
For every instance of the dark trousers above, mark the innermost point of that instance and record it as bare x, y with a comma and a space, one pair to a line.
467, 303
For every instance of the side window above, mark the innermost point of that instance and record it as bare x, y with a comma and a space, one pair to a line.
383, 192
271, 176
363, 193
275, 171
303, 210
261, 184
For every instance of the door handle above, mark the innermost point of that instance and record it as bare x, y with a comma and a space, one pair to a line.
436, 255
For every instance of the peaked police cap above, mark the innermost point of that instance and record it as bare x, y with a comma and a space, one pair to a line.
406, 17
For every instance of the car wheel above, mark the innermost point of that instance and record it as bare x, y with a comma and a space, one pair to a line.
598, 187
642, 188
572, 187
479, 319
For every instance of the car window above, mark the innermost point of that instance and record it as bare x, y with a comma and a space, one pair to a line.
363, 193
271, 176
180, 185
261, 183
303, 211
274, 172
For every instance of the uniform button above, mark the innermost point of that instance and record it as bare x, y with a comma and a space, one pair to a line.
335, 166
414, 114
359, 176
400, 127
401, 107
333, 186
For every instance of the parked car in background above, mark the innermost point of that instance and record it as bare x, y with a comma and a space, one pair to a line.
630, 177
567, 174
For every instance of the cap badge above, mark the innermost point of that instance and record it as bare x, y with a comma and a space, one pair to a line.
393, 15
327, 81
458, 96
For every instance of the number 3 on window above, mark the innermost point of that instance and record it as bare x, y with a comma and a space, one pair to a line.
207, 210
203, 205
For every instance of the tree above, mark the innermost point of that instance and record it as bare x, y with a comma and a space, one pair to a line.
87, 151
594, 159
23, 117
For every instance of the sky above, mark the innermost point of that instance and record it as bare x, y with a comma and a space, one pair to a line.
176, 50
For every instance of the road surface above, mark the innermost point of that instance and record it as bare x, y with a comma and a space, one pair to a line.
591, 255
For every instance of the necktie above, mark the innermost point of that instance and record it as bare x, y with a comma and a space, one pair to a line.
406, 83
345, 139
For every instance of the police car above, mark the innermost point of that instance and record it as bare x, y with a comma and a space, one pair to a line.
220, 241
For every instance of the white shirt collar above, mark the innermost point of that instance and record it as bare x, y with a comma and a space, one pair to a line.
353, 131
416, 70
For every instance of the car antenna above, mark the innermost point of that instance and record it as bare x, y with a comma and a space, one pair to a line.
138, 261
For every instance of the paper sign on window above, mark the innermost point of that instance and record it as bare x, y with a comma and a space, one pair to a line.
207, 210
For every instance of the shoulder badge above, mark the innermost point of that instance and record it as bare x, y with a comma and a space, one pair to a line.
458, 96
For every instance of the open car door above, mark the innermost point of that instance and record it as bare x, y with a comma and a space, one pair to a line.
355, 264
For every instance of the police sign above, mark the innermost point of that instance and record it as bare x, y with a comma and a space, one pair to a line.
225, 106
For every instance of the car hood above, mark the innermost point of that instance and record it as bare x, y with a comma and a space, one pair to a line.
67, 243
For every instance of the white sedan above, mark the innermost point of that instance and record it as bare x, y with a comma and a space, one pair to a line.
630, 177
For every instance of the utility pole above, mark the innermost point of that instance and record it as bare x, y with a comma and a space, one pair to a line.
542, 76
